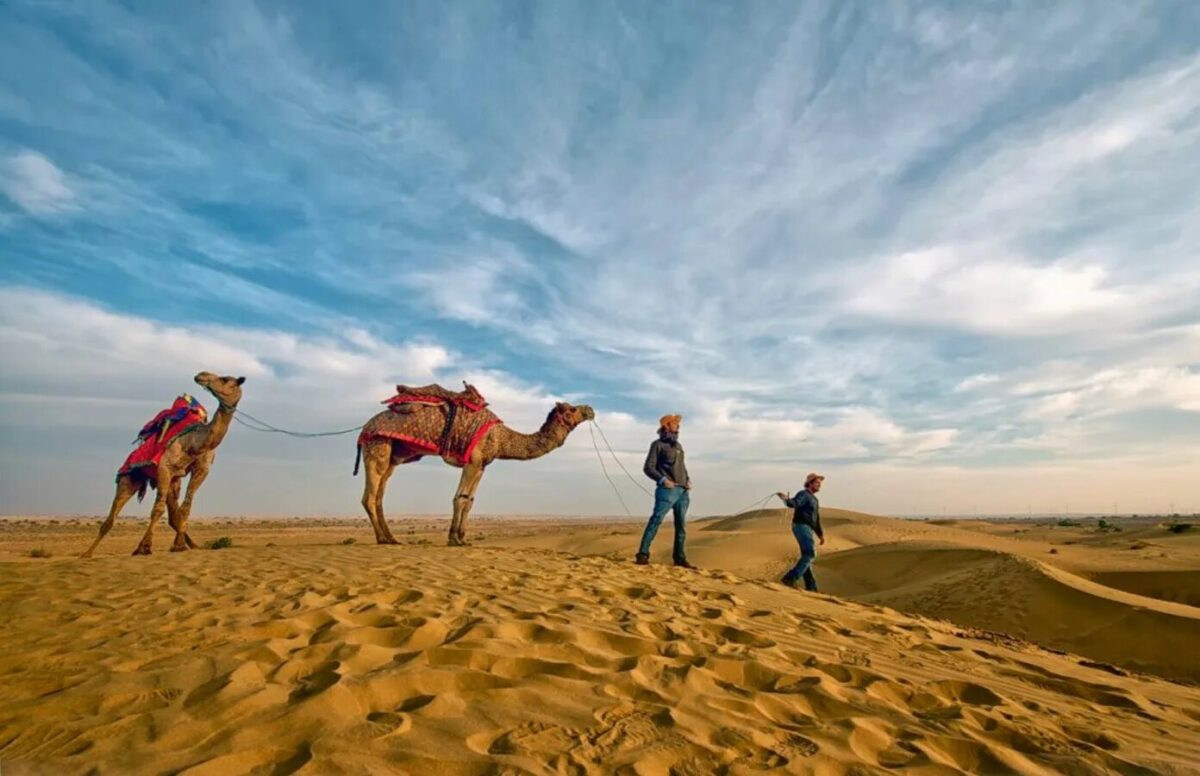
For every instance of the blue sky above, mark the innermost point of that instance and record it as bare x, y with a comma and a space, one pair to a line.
947, 254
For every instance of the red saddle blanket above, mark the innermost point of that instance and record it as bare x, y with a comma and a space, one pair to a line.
448, 426
184, 416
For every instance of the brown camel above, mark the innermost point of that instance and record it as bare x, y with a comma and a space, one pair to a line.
380, 457
191, 453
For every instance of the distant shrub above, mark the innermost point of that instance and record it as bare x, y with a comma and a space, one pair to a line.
1067, 523
1053, 551
349, 540
1178, 528
219, 544
39, 552
1104, 524
1138, 546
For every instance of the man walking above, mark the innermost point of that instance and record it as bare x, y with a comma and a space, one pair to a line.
806, 523
664, 465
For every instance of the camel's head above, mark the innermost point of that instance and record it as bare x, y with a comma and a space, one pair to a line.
570, 415
228, 390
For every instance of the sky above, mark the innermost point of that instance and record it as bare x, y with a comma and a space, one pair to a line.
946, 254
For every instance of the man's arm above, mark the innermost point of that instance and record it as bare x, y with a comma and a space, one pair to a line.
651, 469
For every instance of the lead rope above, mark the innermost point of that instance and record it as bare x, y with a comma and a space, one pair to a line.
618, 460
267, 428
604, 469
754, 506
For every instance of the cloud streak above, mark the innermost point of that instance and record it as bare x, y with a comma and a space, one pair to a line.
842, 235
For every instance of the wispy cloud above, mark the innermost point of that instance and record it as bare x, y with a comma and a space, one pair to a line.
846, 234
35, 184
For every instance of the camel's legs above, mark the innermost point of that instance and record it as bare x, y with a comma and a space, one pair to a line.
199, 474
377, 459
384, 530
173, 512
125, 491
464, 499
173, 504
160, 506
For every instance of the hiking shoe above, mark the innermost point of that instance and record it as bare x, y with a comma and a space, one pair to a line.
685, 564
642, 559
791, 582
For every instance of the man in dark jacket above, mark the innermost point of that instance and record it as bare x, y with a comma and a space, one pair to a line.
664, 465
806, 524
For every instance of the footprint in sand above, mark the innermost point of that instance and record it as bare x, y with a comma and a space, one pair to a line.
743, 752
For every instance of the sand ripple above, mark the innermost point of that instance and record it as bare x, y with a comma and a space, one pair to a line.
429, 660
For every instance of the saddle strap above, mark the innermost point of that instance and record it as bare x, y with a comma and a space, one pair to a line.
450, 416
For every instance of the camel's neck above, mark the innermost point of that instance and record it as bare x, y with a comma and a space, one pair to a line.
515, 446
217, 427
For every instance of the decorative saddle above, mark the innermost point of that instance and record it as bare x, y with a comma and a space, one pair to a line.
407, 396
434, 421
182, 417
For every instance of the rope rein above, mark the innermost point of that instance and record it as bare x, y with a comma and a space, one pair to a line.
611, 452
754, 506
604, 469
267, 428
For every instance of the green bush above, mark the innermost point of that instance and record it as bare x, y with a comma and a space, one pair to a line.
1178, 528
219, 544
1104, 524
1067, 523
349, 540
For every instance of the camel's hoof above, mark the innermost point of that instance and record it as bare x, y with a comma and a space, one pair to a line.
142, 551
385, 541
180, 548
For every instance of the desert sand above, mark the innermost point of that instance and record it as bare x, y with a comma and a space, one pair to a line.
958, 648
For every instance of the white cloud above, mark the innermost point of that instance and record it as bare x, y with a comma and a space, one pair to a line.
949, 286
976, 381
35, 184
1073, 392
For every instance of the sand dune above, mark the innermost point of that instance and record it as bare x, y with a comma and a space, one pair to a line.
1029, 600
999, 577
310, 656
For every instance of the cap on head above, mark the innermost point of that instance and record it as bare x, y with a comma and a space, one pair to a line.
812, 476
670, 422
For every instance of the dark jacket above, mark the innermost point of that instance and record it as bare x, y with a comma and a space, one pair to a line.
807, 511
665, 459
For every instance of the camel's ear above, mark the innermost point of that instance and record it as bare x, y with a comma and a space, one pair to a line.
241, 380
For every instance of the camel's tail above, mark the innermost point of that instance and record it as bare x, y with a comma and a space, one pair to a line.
357, 459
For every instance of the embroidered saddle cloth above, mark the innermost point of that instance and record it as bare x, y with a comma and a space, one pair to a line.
435, 421
182, 417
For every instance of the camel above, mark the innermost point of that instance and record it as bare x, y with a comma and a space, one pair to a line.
191, 453
381, 456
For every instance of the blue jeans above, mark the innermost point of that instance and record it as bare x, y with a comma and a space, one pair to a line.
666, 500
808, 553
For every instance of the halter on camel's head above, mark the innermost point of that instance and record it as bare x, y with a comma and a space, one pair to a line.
227, 390
569, 415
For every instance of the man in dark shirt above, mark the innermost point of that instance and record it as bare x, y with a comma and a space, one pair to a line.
806, 523
665, 465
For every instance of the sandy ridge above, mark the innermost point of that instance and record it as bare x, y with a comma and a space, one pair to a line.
321, 659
